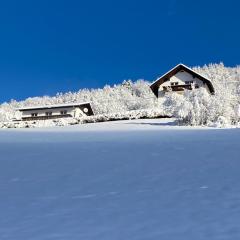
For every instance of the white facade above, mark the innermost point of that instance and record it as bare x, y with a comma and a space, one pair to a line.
74, 112
77, 112
56, 111
183, 78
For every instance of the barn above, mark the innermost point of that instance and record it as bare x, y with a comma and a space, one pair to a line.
180, 78
56, 111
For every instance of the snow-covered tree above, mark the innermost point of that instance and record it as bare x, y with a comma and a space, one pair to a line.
193, 107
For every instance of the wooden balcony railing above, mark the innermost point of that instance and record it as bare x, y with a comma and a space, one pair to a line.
177, 88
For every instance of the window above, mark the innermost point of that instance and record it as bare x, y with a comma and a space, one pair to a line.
34, 114
174, 83
188, 82
48, 113
64, 112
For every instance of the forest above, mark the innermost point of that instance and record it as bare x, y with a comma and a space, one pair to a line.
136, 100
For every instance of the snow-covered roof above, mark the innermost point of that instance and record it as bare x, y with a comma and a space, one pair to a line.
177, 66
65, 105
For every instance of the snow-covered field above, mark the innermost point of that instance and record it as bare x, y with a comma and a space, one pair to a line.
129, 180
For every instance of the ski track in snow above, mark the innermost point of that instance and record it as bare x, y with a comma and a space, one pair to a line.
138, 180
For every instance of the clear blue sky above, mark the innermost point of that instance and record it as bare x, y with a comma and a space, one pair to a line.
48, 46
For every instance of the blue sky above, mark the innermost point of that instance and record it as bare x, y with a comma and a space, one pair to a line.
52, 46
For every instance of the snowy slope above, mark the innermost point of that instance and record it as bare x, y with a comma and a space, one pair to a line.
133, 180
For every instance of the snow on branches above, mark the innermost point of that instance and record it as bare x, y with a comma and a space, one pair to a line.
195, 107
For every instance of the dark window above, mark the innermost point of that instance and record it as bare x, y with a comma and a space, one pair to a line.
48, 113
34, 114
174, 83
64, 112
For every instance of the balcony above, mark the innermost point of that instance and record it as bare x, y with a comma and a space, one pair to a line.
179, 88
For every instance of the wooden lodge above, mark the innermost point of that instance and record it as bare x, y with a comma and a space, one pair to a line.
56, 111
180, 78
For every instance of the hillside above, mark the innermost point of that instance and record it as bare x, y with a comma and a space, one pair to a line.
130, 96
142, 179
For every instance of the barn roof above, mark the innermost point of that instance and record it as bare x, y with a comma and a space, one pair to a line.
67, 105
155, 85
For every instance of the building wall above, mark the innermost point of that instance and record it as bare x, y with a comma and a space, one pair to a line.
181, 77
77, 112
42, 113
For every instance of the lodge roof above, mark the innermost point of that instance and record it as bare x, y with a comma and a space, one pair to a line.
66, 105
155, 85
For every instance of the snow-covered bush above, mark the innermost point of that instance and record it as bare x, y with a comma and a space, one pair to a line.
198, 107
193, 107
8, 112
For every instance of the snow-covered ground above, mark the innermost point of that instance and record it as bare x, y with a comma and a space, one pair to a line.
133, 180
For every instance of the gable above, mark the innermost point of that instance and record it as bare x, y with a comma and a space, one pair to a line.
181, 73
182, 76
